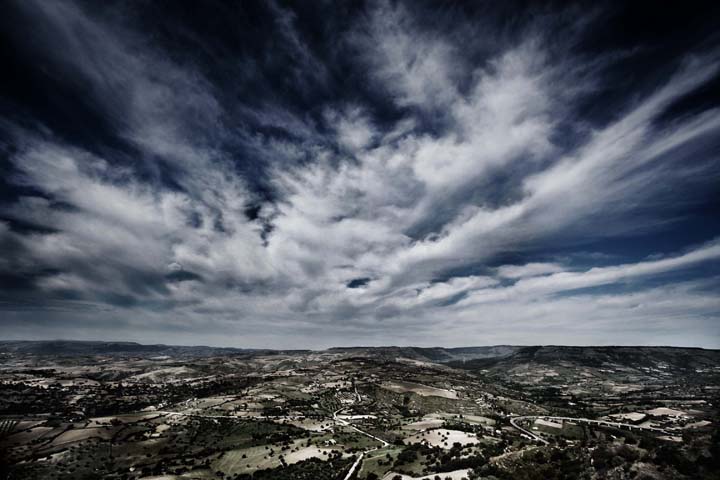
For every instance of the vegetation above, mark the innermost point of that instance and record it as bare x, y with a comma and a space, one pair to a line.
311, 415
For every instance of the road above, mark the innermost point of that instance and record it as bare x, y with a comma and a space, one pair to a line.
360, 457
233, 417
335, 418
527, 432
590, 421
348, 424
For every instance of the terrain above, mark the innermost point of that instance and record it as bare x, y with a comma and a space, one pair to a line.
122, 410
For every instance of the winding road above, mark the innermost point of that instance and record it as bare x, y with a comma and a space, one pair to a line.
527, 432
590, 421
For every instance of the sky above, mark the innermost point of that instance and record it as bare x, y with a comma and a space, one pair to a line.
314, 174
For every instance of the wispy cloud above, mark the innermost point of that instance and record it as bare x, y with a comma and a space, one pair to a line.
449, 187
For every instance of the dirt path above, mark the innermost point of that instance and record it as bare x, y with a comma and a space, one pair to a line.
362, 455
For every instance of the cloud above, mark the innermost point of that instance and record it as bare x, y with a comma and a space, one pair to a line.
409, 181
561, 281
528, 270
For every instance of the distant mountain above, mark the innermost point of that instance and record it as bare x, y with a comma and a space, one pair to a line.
497, 357
432, 354
675, 359
74, 348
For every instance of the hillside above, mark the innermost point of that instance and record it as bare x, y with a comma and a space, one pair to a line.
74, 347
671, 358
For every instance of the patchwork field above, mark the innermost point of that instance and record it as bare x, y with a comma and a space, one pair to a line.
357, 414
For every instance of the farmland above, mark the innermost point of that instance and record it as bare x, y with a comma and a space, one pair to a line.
359, 413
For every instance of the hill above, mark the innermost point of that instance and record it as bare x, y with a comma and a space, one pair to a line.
76, 347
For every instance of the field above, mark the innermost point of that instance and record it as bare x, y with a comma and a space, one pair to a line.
443, 438
423, 390
315, 415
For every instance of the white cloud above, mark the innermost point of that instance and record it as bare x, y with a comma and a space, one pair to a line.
403, 205
528, 270
532, 286
418, 69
